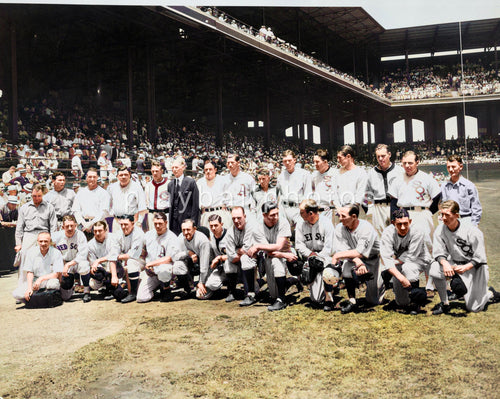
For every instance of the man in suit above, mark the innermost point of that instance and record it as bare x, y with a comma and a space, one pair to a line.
184, 197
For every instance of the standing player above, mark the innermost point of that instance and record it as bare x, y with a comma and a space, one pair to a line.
462, 191
211, 188
380, 179
127, 198
263, 193
459, 250
351, 179
294, 184
60, 197
91, 204
324, 183
156, 192
419, 193
74, 248
314, 237
356, 244
238, 186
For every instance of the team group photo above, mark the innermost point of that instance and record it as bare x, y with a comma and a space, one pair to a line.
218, 202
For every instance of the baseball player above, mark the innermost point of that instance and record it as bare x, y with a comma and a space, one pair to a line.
462, 191
294, 184
314, 237
380, 179
156, 193
43, 269
351, 179
239, 239
131, 241
105, 271
196, 249
356, 243
162, 245
60, 197
219, 263
127, 198
273, 238
74, 248
211, 189
419, 193
263, 193
458, 249
324, 181
404, 256
238, 186
91, 204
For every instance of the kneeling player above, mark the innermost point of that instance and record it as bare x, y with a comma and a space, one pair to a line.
105, 271
459, 251
162, 246
131, 242
74, 248
356, 244
314, 238
404, 255
43, 268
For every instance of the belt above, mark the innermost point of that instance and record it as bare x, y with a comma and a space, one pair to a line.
461, 262
416, 208
166, 210
217, 208
289, 203
60, 218
385, 202
466, 215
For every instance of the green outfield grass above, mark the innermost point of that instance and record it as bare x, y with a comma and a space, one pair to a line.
212, 350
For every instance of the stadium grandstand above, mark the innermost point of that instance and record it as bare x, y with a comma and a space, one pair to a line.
157, 81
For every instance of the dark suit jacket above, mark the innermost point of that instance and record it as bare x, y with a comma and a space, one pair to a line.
185, 205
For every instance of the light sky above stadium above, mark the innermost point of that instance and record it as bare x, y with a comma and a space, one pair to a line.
391, 14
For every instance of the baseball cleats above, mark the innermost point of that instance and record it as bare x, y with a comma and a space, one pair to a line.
350, 307
86, 298
495, 298
230, 298
278, 305
129, 298
440, 308
328, 306
248, 301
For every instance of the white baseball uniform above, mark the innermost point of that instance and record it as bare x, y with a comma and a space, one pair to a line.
292, 188
378, 187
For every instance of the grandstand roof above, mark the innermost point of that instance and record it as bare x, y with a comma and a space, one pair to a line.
441, 37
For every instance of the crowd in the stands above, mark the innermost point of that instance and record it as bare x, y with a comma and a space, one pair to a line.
479, 78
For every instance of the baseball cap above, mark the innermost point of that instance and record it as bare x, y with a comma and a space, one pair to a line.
12, 199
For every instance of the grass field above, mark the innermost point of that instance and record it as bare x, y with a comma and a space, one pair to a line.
189, 349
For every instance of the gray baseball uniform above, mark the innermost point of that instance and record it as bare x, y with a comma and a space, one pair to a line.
365, 240
275, 267
459, 247
317, 238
